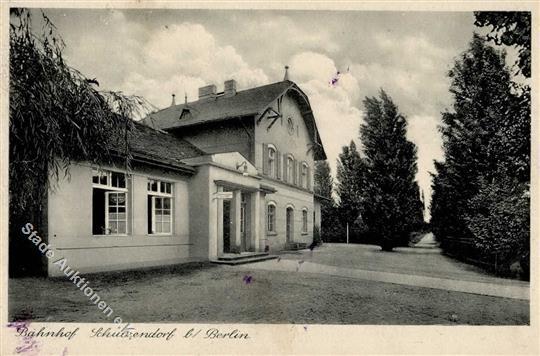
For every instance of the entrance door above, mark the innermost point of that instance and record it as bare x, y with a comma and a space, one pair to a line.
226, 226
290, 227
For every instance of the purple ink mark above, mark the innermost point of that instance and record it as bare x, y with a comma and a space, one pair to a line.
28, 344
335, 79
247, 279
64, 353
305, 327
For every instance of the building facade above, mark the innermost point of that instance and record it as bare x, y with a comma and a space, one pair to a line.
228, 174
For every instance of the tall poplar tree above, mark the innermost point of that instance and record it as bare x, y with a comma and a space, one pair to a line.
391, 199
480, 202
349, 185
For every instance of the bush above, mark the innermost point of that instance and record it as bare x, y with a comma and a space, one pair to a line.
500, 225
317, 236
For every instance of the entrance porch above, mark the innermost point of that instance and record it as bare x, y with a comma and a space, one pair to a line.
240, 221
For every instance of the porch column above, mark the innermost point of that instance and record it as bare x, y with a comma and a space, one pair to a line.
236, 235
219, 223
255, 220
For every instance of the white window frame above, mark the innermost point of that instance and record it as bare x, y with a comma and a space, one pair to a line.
273, 221
160, 194
272, 159
107, 219
110, 189
305, 222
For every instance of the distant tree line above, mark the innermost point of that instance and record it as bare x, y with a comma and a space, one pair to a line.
378, 198
480, 204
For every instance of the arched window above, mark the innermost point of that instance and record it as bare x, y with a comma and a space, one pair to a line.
304, 175
271, 217
290, 169
271, 160
304, 220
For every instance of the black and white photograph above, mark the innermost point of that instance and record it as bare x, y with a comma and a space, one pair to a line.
178, 174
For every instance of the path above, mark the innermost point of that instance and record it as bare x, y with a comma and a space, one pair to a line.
420, 266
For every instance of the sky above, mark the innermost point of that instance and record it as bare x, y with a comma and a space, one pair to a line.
154, 53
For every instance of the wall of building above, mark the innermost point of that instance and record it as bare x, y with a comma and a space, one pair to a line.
317, 209
287, 194
284, 197
233, 135
296, 144
205, 211
70, 225
199, 213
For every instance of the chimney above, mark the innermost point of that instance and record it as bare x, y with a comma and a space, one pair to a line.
173, 103
286, 77
207, 92
229, 88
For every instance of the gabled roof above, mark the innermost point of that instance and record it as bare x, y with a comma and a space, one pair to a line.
250, 102
156, 146
244, 103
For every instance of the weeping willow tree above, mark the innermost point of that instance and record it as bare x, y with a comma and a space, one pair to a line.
56, 116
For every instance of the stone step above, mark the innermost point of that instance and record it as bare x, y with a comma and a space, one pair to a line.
244, 260
241, 256
296, 246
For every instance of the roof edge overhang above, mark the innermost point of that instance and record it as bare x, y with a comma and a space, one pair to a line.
321, 197
209, 122
152, 161
247, 188
309, 118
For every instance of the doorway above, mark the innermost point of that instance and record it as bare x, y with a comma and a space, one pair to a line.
226, 226
290, 224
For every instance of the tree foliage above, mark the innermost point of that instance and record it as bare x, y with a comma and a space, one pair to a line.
331, 230
56, 115
391, 199
324, 183
484, 177
349, 183
510, 28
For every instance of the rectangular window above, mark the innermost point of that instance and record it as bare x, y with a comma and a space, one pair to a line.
109, 203
304, 220
160, 207
271, 218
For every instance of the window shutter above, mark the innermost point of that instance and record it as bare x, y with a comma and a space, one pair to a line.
295, 172
308, 178
278, 165
286, 177
265, 159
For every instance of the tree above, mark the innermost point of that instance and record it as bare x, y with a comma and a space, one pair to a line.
56, 116
323, 186
348, 189
324, 183
391, 200
510, 28
486, 146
